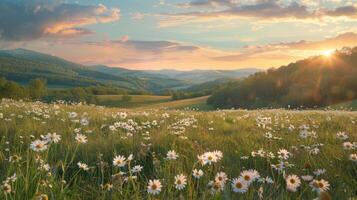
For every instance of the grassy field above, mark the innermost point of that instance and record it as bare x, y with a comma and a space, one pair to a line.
136, 100
150, 153
350, 105
153, 101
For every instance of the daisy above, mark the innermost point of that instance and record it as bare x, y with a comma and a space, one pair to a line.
216, 186
221, 177
81, 138
353, 157
197, 173
137, 168
249, 175
209, 158
119, 161
6, 188
172, 155
320, 185
38, 145
83, 166
307, 177
342, 135
154, 187
239, 185
180, 181
52, 137
319, 172
348, 146
283, 154
292, 182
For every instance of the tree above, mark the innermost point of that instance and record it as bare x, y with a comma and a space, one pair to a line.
37, 88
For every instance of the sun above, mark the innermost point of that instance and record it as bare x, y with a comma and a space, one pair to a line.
328, 52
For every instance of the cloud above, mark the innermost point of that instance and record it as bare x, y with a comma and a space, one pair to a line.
134, 54
294, 50
31, 20
261, 10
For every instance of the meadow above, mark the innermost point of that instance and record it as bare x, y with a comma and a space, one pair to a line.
67, 151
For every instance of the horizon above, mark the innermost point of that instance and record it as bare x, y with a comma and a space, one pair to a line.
182, 35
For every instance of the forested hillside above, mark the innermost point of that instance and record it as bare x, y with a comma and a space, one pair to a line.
314, 82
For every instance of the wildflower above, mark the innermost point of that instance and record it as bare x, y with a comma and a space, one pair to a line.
319, 172
292, 182
15, 158
84, 122
72, 115
342, 135
172, 155
348, 146
249, 175
6, 188
154, 187
307, 177
83, 166
180, 181
197, 173
221, 177
38, 145
119, 161
107, 186
266, 180
52, 137
353, 157
216, 186
82, 139
283, 154
320, 185
239, 185
137, 168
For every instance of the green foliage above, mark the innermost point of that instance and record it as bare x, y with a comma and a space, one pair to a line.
313, 82
37, 88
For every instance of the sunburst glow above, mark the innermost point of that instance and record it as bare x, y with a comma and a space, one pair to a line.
328, 52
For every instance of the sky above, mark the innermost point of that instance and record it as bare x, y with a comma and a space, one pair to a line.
179, 34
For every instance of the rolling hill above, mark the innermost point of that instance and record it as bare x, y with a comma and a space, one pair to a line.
22, 65
314, 82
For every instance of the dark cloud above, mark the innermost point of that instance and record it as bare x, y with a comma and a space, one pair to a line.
30, 19
260, 9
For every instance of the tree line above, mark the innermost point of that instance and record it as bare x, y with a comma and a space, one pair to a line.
314, 82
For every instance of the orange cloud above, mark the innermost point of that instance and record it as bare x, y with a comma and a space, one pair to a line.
171, 54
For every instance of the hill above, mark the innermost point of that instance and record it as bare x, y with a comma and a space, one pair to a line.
314, 82
22, 65
202, 76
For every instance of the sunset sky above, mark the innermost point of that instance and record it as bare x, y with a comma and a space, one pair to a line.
179, 34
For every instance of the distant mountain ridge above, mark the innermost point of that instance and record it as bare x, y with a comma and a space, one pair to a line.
22, 65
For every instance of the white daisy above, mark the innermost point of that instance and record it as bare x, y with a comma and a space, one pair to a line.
119, 161
38, 145
197, 173
320, 185
81, 138
292, 183
83, 166
154, 187
172, 155
239, 185
180, 181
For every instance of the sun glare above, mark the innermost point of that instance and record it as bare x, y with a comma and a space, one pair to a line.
328, 52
